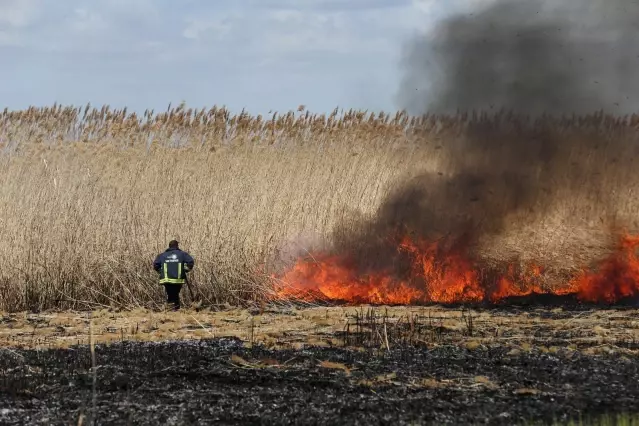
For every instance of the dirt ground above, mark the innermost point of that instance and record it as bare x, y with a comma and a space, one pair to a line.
589, 329
336, 365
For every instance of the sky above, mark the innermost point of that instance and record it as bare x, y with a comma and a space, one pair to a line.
262, 55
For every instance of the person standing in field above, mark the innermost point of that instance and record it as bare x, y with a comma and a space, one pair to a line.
173, 265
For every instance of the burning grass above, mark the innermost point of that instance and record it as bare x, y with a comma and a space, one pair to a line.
89, 196
438, 274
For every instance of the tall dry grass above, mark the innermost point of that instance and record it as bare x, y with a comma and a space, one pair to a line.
89, 196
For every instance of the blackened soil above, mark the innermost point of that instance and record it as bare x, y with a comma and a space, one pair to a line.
202, 383
568, 303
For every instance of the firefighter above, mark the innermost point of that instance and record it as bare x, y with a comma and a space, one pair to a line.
173, 265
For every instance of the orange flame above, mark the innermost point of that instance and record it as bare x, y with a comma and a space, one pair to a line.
439, 275
616, 279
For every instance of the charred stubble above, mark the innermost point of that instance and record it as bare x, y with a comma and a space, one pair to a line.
205, 383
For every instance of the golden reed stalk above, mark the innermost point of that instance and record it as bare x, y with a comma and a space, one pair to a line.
88, 195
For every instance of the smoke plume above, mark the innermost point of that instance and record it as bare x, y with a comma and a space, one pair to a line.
516, 61
531, 57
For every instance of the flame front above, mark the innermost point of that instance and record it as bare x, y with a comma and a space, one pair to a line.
438, 275
617, 277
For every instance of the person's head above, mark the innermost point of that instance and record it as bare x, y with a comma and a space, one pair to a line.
173, 244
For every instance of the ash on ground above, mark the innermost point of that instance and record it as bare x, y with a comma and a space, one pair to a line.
221, 381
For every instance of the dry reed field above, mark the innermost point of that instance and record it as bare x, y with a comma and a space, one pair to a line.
90, 195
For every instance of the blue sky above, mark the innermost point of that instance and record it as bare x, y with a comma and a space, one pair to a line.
258, 54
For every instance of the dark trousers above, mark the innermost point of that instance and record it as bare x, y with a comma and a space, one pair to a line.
173, 295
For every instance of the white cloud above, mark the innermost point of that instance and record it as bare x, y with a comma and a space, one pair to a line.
281, 30
9, 39
15, 17
287, 15
88, 21
197, 29
147, 9
151, 52
17, 13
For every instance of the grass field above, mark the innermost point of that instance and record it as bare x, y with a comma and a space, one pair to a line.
90, 195
591, 331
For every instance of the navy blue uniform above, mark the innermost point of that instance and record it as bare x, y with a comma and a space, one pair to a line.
172, 265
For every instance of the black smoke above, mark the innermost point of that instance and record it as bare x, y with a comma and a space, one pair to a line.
531, 57
501, 87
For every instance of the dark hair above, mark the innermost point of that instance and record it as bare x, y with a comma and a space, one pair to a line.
173, 244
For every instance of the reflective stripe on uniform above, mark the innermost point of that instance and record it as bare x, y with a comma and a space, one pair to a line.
167, 280
171, 281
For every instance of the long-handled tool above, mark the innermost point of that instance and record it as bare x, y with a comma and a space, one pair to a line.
188, 284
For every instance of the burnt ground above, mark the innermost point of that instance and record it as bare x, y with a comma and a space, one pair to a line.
221, 381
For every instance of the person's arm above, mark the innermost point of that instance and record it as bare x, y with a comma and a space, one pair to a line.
188, 262
157, 263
